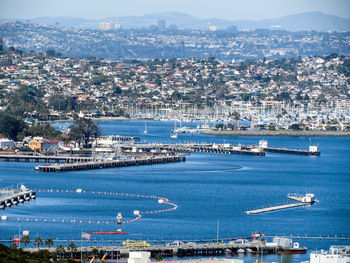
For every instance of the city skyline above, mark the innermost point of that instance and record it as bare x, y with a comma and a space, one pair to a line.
223, 9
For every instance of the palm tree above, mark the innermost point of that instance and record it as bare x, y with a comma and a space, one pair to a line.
38, 242
72, 247
95, 252
25, 240
49, 242
60, 250
13, 246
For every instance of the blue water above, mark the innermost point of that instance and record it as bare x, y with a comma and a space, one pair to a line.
206, 188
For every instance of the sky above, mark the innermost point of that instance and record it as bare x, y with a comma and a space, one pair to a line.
224, 9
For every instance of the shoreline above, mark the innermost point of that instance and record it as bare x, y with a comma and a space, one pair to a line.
279, 133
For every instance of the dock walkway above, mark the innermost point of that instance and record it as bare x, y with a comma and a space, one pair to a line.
110, 164
274, 208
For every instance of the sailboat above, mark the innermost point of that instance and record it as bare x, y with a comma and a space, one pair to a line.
145, 131
174, 135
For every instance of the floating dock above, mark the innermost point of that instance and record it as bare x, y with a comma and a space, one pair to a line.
308, 199
274, 208
17, 197
110, 164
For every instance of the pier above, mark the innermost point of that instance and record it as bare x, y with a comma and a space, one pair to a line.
43, 158
308, 199
16, 197
274, 208
148, 160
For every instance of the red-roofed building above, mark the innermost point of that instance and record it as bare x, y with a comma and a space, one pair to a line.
44, 145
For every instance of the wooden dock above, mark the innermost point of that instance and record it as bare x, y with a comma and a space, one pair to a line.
275, 208
111, 164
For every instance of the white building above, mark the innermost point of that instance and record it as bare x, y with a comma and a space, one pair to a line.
139, 257
106, 25
6, 143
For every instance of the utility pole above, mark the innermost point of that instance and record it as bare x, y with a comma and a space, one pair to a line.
217, 231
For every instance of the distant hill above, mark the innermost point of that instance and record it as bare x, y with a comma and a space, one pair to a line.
306, 21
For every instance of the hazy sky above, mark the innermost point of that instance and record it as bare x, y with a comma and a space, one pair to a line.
225, 9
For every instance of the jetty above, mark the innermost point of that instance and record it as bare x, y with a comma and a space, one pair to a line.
101, 164
14, 197
308, 199
312, 151
274, 208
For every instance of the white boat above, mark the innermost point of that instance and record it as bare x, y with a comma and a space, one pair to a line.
145, 131
174, 135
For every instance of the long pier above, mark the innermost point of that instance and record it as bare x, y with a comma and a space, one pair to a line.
274, 208
308, 199
292, 151
43, 158
110, 164
184, 250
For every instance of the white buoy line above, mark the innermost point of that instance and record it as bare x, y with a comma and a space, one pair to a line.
137, 213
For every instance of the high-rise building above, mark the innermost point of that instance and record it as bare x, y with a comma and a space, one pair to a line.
106, 25
161, 25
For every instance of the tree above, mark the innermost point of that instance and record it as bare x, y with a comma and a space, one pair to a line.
159, 257
13, 246
95, 252
46, 131
60, 250
38, 242
25, 240
11, 127
72, 247
236, 116
295, 127
49, 242
82, 130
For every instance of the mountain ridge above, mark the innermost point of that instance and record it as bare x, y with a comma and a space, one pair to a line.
308, 21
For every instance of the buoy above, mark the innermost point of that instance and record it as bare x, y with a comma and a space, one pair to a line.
4, 218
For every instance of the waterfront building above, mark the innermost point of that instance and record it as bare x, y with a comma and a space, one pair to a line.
6, 143
44, 145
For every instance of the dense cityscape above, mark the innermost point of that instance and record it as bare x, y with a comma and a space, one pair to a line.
309, 91
225, 45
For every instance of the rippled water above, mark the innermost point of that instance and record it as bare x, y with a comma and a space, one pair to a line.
206, 188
